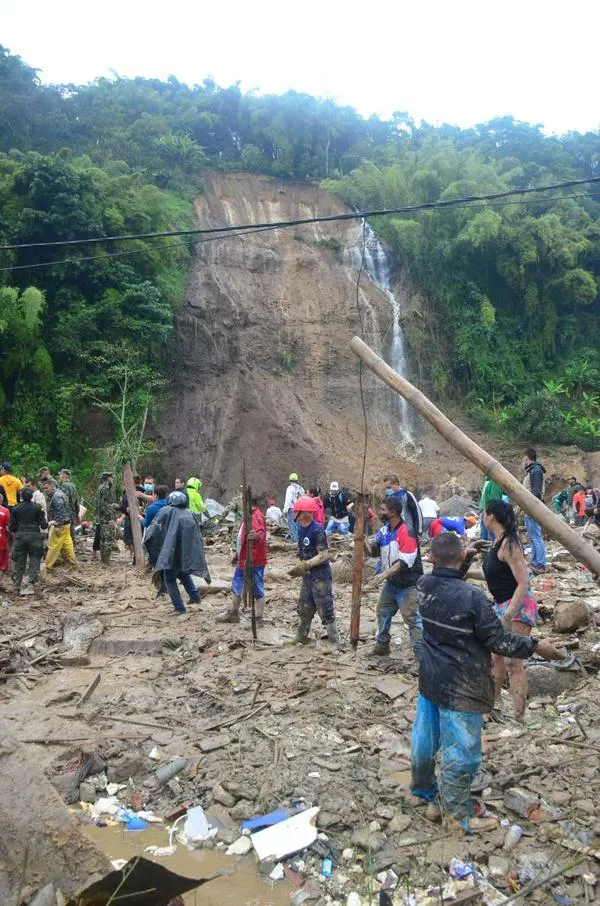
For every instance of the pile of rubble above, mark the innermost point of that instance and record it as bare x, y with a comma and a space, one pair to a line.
158, 717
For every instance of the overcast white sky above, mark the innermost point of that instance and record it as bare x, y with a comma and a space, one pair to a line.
457, 61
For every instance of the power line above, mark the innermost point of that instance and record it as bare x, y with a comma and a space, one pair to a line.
247, 231
356, 215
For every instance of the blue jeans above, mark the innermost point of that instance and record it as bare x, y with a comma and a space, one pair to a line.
538, 548
171, 576
483, 532
258, 580
293, 526
391, 600
336, 525
458, 735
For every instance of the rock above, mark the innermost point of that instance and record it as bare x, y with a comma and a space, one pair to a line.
45, 897
570, 615
392, 857
243, 810
127, 765
399, 824
368, 840
374, 826
441, 851
227, 835
347, 855
353, 899
561, 797
222, 796
529, 805
211, 743
545, 680
241, 847
74, 659
218, 816
498, 866
385, 812
586, 806
87, 792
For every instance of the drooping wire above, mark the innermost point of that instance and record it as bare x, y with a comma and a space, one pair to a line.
356, 215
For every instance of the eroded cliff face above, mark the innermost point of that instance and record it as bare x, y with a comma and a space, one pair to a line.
264, 369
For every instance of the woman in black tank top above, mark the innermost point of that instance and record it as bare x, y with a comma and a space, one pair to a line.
507, 577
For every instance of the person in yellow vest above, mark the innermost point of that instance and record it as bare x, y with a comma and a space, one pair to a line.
11, 484
196, 503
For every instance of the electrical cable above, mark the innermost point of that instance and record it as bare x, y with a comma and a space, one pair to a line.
423, 206
247, 231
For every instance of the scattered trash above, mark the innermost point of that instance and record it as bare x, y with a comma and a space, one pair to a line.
530, 805
196, 826
512, 837
168, 771
459, 869
286, 837
261, 821
327, 868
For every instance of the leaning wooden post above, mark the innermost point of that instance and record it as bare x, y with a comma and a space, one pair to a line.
535, 508
358, 569
132, 503
248, 589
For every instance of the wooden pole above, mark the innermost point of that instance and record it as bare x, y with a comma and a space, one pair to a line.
535, 508
248, 590
358, 569
136, 529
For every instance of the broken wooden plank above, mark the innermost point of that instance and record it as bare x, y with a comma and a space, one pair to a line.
234, 720
90, 689
392, 687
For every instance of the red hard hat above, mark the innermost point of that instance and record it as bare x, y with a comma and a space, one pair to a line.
305, 505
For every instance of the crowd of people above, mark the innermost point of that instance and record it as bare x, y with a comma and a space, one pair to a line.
464, 647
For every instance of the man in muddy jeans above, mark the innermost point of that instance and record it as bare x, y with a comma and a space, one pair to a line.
401, 569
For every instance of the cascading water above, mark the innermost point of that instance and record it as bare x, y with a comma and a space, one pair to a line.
377, 268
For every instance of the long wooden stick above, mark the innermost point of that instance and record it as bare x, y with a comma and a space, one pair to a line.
358, 569
136, 529
535, 508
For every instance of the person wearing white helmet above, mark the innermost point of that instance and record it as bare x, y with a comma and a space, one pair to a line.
316, 592
336, 503
293, 492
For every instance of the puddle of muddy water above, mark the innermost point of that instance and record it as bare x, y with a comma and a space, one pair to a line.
239, 885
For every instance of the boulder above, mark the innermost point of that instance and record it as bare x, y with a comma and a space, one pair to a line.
545, 680
570, 615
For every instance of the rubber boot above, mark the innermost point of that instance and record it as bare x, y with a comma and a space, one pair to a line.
233, 614
380, 649
333, 640
301, 637
259, 610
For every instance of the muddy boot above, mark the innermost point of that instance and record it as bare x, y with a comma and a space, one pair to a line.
380, 649
259, 610
333, 639
233, 614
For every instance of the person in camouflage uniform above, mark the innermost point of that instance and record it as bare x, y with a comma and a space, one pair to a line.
104, 535
70, 492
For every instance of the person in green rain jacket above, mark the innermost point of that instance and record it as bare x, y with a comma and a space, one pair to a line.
491, 491
196, 506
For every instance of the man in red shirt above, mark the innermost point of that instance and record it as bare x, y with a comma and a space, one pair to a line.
258, 536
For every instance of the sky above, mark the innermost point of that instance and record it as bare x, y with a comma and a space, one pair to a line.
454, 61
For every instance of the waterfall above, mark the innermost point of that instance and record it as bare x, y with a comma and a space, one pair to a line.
377, 268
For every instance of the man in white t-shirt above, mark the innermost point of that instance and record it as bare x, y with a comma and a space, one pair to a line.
273, 514
293, 492
430, 511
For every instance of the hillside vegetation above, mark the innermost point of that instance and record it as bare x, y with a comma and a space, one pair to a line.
510, 311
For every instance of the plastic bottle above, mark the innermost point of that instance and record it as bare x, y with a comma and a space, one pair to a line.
327, 868
513, 835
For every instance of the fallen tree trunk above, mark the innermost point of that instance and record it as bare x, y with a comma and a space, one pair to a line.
535, 508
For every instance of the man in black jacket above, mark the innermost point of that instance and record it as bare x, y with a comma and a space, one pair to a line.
535, 481
456, 686
27, 520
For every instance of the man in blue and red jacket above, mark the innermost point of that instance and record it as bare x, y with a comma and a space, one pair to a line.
258, 537
401, 568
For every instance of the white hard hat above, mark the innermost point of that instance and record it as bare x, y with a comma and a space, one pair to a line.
334, 486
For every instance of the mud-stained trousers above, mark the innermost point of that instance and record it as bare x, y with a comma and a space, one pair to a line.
457, 735
316, 596
27, 544
394, 599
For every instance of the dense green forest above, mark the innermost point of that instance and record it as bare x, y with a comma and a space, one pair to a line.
508, 295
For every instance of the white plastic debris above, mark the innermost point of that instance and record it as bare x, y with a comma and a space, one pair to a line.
106, 805
113, 788
118, 864
154, 754
196, 824
160, 851
278, 872
289, 836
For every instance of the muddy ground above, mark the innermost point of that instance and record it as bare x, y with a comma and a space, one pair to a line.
265, 724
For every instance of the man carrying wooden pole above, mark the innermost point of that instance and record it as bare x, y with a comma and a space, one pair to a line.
132, 503
535, 508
